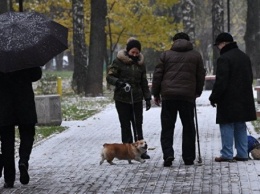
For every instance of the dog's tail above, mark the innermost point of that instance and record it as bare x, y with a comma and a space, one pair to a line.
102, 155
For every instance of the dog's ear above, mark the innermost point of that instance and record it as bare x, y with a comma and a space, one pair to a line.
143, 141
135, 144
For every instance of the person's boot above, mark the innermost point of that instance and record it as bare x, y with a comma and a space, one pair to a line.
24, 176
168, 161
8, 184
145, 156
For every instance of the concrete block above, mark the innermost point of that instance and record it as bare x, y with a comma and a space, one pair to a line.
48, 108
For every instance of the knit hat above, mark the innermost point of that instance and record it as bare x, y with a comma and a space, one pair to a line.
133, 44
131, 38
223, 37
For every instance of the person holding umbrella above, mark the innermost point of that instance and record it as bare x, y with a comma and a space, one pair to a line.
17, 108
128, 74
28, 40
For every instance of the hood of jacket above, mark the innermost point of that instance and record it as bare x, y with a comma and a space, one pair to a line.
182, 45
123, 56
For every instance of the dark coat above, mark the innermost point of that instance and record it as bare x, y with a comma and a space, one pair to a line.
123, 68
232, 91
180, 74
17, 97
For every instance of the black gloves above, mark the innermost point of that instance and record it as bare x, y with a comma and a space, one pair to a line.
120, 84
148, 104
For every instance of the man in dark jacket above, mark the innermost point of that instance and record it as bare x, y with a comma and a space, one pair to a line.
233, 96
179, 79
17, 108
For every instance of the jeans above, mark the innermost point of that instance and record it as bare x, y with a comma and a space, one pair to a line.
230, 132
170, 109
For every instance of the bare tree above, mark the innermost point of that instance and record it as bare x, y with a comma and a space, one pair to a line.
252, 35
217, 26
80, 51
97, 48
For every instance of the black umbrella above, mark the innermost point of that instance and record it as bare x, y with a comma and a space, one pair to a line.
29, 39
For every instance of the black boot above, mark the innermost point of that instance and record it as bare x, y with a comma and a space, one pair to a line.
24, 176
168, 161
145, 156
8, 184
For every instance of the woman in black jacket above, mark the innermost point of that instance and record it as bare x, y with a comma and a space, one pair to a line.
17, 109
129, 68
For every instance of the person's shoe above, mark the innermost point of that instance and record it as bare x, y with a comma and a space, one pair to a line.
188, 162
240, 159
24, 176
220, 159
8, 184
168, 161
145, 156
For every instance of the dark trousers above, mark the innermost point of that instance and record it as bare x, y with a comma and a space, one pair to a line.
7, 133
170, 109
126, 117
7, 148
27, 133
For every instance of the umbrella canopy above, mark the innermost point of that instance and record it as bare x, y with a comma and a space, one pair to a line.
29, 39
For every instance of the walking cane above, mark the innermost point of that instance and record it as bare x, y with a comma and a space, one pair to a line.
129, 89
197, 132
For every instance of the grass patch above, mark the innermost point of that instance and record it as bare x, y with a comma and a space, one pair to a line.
41, 132
81, 108
73, 107
256, 125
45, 131
62, 74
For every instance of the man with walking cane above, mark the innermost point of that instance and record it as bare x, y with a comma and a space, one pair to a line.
178, 80
128, 74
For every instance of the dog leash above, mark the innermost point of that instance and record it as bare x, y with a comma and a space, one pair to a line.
128, 88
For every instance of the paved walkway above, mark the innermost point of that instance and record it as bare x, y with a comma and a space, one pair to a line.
68, 163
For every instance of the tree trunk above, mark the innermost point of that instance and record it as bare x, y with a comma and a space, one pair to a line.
59, 61
188, 18
97, 48
80, 50
3, 6
204, 32
70, 61
252, 35
217, 26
